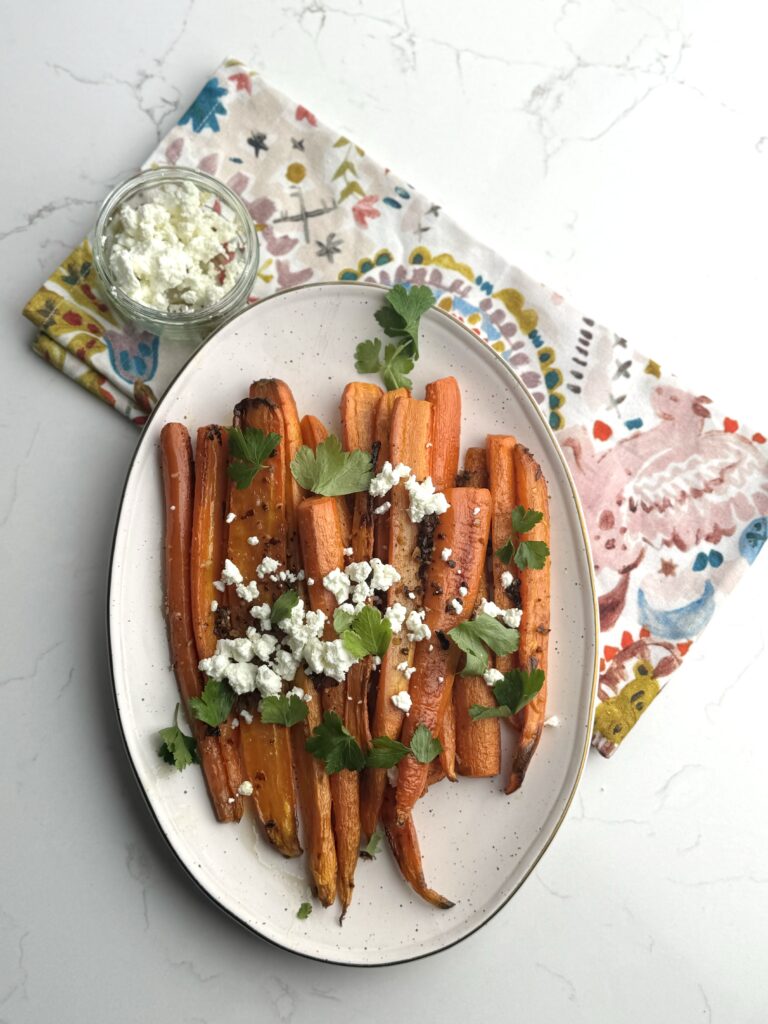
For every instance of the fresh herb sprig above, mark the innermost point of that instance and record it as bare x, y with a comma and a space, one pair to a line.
477, 635
177, 748
283, 709
214, 704
512, 693
400, 321
337, 748
249, 450
527, 554
365, 632
330, 470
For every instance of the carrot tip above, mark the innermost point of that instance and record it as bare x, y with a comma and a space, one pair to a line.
515, 782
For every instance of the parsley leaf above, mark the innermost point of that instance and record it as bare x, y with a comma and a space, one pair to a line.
371, 848
368, 633
249, 449
512, 693
424, 746
531, 554
177, 748
474, 636
506, 553
331, 471
399, 320
283, 606
283, 709
342, 620
524, 519
215, 703
304, 911
335, 746
385, 753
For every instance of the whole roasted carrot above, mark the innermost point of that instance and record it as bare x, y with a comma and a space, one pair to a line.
259, 511
446, 732
501, 474
478, 744
410, 441
176, 455
322, 547
404, 843
206, 561
463, 528
445, 398
535, 601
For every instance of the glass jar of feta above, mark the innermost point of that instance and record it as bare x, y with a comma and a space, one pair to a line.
176, 252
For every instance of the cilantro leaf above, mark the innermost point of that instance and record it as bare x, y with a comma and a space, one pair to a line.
283, 709
342, 620
335, 746
177, 748
371, 633
474, 636
397, 364
249, 449
524, 519
368, 356
477, 711
283, 606
410, 304
215, 703
304, 911
518, 688
531, 554
331, 471
424, 746
385, 753
371, 848
506, 553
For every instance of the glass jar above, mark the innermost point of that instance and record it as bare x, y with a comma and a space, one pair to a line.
195, 325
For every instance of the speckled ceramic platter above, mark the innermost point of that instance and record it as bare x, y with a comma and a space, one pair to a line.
478, 844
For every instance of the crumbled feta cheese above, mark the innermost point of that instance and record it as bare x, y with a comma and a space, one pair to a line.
245, 788
358, 572
239, 649
268, 683
246, 716
411, 595
230, 574
402, 701
214, 606
253, 541
360, 594
286, 665
383, 575
553, 721
512, 617
457, 606
396, 614
406, 669
507, 579
263, 644
241, 676
392, 776
446, 553
173, 508
231, 517
297, 691
310, 581
509, 616
349, 551
235, 723
261, 612
375, 660
463, 591
416, 628
425, 501
387, 478
219, 586
329, 658
492, 675
381, 509
489, 608
216, 666
247, 593
266, 567
337, 583
476, 510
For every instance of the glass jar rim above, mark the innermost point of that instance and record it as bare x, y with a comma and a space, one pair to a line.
156, 176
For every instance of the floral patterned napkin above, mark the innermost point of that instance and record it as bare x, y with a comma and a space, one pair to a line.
675, 492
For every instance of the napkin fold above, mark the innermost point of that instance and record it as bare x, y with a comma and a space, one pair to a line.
675, 492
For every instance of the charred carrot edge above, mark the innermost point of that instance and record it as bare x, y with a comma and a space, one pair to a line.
381, 439
463, 528
446, 732
445, 398
259, 511
176, 455
322, 546
359, 408
478, 744
534, 625
410, 436
501, 474
313, 431
404, 843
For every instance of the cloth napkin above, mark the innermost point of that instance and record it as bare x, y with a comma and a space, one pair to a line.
675, 492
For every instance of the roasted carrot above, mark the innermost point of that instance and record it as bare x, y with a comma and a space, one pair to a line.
501, 474
176, 455
446, 732
206, 561
478, 744
410, 437
313, 431
381, 440
463, 528
322, 546
532, 493
405, 846
445, 398
259, 511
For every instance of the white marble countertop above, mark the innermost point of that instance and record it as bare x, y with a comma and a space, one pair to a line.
616, 150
